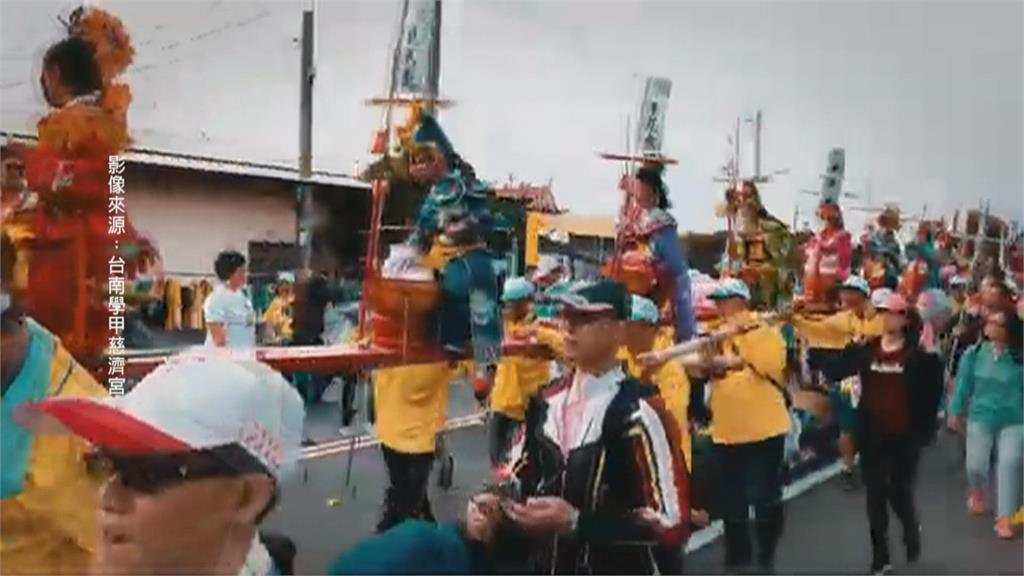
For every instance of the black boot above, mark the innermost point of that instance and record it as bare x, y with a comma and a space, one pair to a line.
738, 551
880, 563
391, 513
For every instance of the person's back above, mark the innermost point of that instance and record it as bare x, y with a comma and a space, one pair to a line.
412, 547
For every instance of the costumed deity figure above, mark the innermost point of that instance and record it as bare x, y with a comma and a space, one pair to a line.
758, 247
78, 232
880, 251
829, 253
922, 263
451, 228
651, 261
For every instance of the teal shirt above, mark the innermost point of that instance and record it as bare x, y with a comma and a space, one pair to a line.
991, 389
412, 547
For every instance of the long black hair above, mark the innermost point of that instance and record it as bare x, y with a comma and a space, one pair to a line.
1014, 333
651, 174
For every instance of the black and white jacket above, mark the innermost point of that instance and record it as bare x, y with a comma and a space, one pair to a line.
624, 473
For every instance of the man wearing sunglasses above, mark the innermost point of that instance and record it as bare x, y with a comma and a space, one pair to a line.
194, 455
48, 525
602, 479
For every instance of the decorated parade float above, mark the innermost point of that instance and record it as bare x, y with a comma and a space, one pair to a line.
828, 254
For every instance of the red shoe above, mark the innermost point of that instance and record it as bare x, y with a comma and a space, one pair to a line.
1003, 529
976, 502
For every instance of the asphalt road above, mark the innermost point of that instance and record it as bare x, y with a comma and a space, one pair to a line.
826, 528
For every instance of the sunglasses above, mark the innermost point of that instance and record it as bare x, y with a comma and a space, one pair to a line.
152, 473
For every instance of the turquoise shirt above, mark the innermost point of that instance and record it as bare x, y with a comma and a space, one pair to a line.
991, 389
30, 385
412, 547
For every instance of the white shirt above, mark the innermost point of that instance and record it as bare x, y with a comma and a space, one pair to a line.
233, 309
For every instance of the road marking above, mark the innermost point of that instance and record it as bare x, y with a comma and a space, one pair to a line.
706, 536
343, 445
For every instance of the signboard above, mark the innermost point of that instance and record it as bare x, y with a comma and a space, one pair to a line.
651, 130
832, 180
415, 60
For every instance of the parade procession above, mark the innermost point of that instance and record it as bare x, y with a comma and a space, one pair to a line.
388, 355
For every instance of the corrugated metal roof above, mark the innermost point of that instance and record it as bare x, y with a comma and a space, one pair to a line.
151, 157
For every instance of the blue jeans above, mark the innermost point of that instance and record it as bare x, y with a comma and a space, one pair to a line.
1009, 443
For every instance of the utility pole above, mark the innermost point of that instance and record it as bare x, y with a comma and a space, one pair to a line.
304, 230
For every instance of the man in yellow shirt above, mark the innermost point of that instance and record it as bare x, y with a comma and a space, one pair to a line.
517, 378
48, 510
826, 337
749, 426
411, 407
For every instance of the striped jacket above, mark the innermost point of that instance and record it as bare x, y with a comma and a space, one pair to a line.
623, 471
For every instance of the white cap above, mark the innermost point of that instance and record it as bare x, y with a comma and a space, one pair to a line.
194, 402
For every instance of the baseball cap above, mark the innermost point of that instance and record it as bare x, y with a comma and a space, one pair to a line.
878, 296
597, 297
643, 310
894, 302
547, 266
730, 288
517, 289
194, 401
857, 283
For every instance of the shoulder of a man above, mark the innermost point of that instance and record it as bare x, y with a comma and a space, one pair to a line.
68, 379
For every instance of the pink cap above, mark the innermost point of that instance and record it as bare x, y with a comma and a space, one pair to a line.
894, 302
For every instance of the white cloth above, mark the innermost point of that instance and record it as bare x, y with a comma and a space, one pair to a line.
579, 410
233, 309
257, 561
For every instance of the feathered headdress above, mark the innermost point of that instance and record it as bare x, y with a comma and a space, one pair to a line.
113, 52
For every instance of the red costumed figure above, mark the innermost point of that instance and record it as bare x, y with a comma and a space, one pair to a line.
79, 234
829, 254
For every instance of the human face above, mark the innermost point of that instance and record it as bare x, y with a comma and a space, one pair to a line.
729, 307
852, 299
237, 280
893, 322
958, 294
53, 89
428, 166
640, 336
995, 327
149, 525
517, 310
592, 339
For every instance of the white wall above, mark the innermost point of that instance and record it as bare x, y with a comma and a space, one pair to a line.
191, 217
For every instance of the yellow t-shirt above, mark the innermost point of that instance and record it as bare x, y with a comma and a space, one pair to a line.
412, 405
518, 378
835, 331
745, 405
50, 526
674, 388
278, 318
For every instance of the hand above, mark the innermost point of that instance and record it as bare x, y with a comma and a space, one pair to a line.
650, 359
956, 424
545, 516
482, 511
725, 363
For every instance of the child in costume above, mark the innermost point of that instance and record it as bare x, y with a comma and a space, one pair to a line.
653, 251
922, 263
451, 231
80, 211
829, 254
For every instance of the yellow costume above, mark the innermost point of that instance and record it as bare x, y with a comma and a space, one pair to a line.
747, 403
49, 511
278, 316
518, 378
411, 404
674, 387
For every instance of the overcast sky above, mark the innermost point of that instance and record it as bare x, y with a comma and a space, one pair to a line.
926, 97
